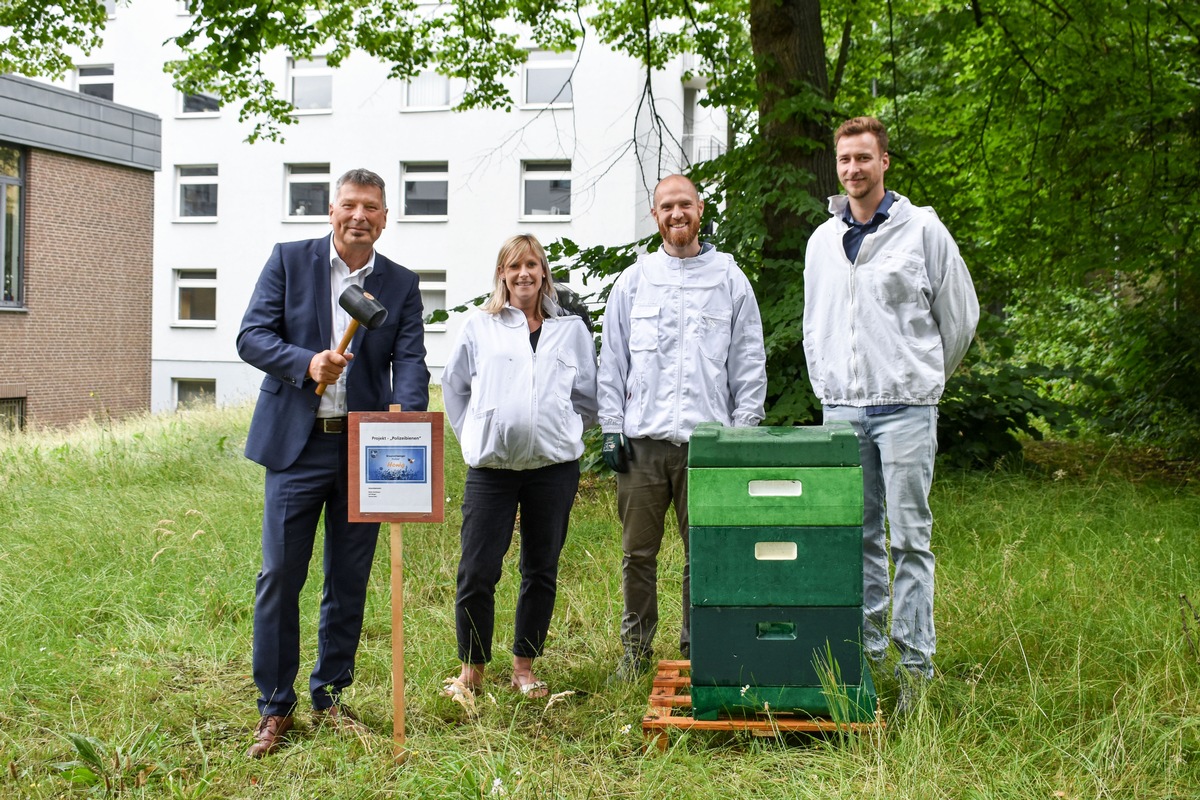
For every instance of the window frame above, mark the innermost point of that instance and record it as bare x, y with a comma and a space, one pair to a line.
182, 112
175, 385
109, 80
14, 408
17, 301
408, 106
437, 282
182, 180
407, 175
315, 66
290, 177
180, 283
541, 168
547, 60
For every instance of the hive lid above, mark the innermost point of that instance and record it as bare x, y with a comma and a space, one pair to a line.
831, 445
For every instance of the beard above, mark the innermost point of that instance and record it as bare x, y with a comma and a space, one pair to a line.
680, 237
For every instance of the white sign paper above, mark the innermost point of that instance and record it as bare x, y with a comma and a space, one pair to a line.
395, 467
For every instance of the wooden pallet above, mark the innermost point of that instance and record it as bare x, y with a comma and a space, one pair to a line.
671, 702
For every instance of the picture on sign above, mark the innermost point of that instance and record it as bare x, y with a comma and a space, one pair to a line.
396, 465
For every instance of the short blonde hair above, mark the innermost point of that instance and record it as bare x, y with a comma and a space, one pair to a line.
516, 248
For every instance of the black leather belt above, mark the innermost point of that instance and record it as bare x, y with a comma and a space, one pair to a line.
331, 425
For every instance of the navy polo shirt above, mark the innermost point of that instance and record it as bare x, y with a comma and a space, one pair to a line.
852, 239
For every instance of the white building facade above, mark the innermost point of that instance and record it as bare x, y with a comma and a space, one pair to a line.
575, 158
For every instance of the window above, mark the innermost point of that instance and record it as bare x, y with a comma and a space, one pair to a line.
96, 81
428, 90
548, 78
201, 103
196, 297
197, 192
307, 190
426, 190
11, 273
192, 392
433, 295
312, 84
110, 8
12, 413
546, 189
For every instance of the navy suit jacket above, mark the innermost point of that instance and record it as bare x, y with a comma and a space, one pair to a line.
289, 320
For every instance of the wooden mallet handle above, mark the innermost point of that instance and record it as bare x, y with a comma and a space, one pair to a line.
341, 348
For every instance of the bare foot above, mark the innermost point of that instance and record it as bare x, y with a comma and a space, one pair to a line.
471, 676
524, 681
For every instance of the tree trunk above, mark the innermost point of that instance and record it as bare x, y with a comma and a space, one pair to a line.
793, 83
789, 52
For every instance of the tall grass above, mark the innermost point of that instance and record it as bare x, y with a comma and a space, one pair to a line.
127, 562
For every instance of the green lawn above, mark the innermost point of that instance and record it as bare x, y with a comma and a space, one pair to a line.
127, 562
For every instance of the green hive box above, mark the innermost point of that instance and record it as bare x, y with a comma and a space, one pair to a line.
776, 566
775, 496
774, 645
775, 540
847, 703
832, 445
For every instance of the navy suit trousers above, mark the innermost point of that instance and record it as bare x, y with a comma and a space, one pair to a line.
294, 500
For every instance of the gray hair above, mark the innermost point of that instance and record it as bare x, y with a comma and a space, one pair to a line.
362, 177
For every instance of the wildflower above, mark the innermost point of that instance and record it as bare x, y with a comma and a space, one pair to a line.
745, 689
625, 729
1059, 474
498, 788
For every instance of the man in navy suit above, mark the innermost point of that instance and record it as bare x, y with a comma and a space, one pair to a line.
290, 330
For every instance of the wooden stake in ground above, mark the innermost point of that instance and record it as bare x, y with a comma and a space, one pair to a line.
375, 434
396, 531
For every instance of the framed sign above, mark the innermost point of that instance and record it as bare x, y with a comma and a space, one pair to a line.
396, 466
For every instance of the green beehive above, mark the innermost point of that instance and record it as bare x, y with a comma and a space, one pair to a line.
775, 540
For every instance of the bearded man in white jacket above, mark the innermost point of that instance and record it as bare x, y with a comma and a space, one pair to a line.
889, 311
683, 344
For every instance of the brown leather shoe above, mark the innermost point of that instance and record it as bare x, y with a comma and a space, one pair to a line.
268, 736
340, 718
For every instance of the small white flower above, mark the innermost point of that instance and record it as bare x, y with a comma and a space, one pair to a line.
498, 788
745, 689
625, 729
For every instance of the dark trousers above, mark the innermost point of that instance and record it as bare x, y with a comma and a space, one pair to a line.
294, 500
656, 480
490, 502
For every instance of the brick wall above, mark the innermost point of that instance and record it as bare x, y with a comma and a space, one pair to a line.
82, 346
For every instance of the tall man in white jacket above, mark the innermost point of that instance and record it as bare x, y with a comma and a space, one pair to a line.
889, 311
683, 344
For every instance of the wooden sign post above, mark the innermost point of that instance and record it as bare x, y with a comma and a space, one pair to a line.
395, 467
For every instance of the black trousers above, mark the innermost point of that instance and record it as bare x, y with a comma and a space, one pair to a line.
490, 502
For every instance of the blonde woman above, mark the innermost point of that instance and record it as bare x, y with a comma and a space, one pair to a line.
520, 389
